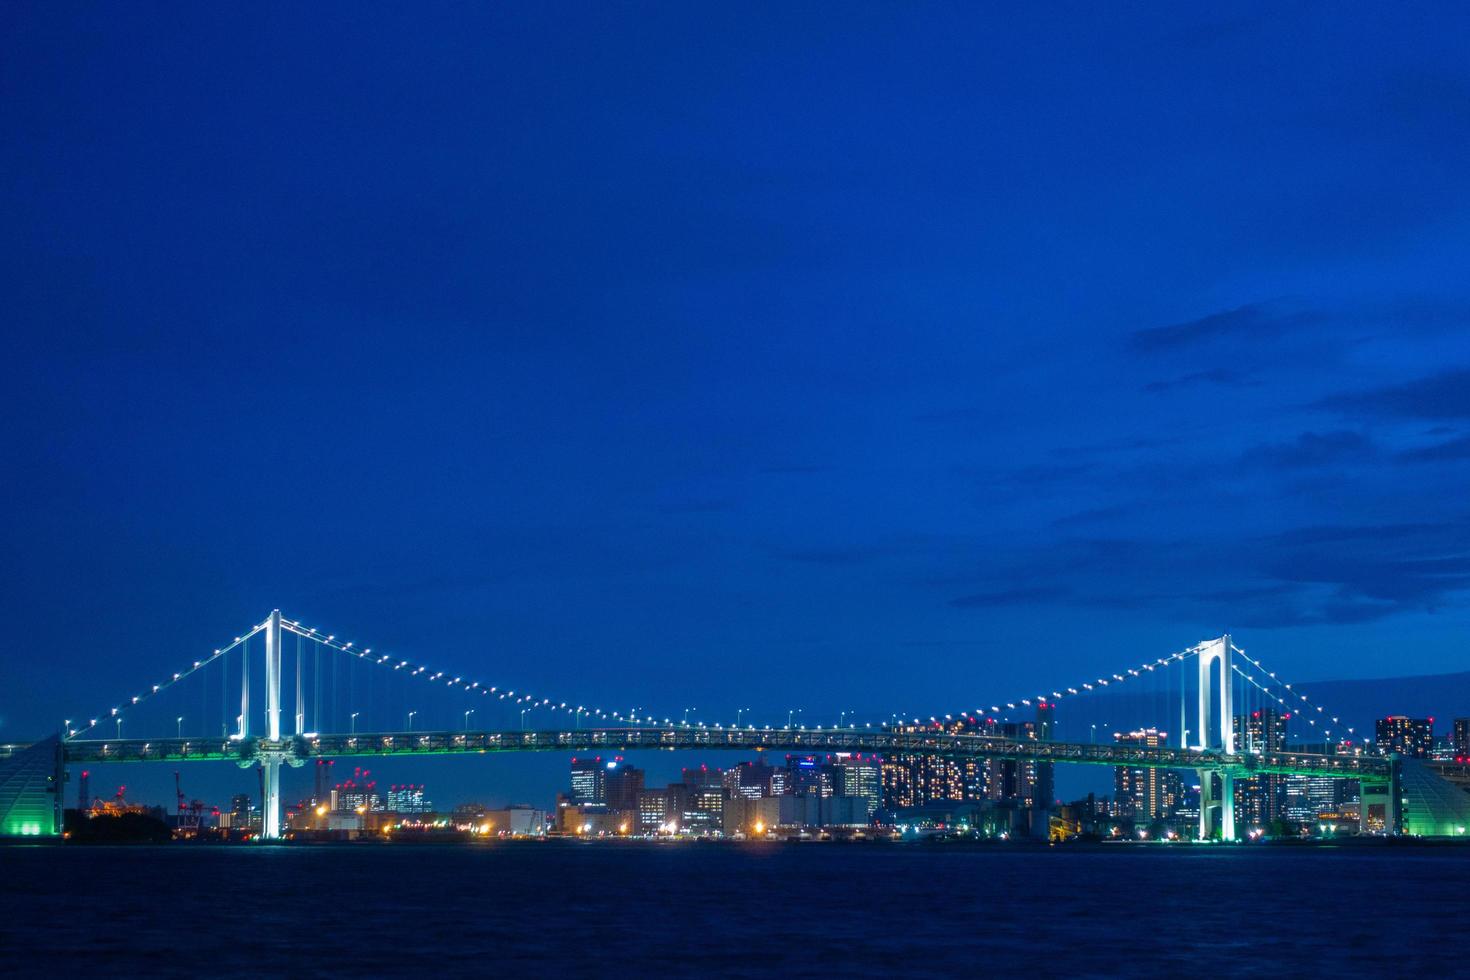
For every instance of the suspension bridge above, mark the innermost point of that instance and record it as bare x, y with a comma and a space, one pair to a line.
282, 694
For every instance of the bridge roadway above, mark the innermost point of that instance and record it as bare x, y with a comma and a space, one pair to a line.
883, 742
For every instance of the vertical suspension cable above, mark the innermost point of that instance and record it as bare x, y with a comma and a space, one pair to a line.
1179, 686
245, 688
299, 718
316, 689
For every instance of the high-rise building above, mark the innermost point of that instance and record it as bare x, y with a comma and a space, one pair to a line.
1017, 780
703, 776
917, 779
1260, 799
589, 780
859, 775
1461, 739
1402, 735
653, 810
358, 793
751, 780
703, 810
408, 798
911, 780
807, 775
1143, 793
1046, 785
624, 783
243, 811
1308, 796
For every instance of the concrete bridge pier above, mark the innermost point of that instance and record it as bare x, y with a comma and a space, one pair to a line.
1216, 809
1379, 808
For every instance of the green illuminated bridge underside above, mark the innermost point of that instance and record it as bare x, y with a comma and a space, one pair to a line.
298, 749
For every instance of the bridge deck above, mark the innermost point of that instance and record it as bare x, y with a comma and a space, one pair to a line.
877, 742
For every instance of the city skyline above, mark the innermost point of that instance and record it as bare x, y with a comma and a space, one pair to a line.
822, 383
848, 792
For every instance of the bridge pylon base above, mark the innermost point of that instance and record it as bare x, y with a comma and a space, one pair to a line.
1216, 810
271, 798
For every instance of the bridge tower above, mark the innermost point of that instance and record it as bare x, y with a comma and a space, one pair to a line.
1217, 734
272, 751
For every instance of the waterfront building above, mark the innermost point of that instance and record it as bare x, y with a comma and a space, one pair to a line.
1260, 799
244, 812
1144, 794
703, 776
1020, 781
408, 798
624, 783
861, 776
753, 816
1461, 738
702, 810
520, 820
357, 794
911, 780
1044, 773
751, 780
589, 780
1307, 798
1402, 735
653, 810
919, 779
807, 774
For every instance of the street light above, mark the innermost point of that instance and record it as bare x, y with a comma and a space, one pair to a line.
179, 722
523, 716
738, 713
791, 716
686, 715
467, 718
410, 719
354, 721
119, 727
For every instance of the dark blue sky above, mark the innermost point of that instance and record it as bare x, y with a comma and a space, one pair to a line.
664, 356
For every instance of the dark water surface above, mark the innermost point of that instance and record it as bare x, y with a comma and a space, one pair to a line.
626, 909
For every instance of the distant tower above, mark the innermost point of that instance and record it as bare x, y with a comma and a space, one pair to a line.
84, 798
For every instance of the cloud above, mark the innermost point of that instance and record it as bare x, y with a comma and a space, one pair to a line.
1453, 449
1252, 321
1438, 396
1303, 576
1311, 449
1215, 376
1396, 567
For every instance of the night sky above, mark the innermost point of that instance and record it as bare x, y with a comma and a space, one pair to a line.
849, 358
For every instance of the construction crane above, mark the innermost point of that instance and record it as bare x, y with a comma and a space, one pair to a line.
188, 815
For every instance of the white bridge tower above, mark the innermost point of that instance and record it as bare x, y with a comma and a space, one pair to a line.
1216, 733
